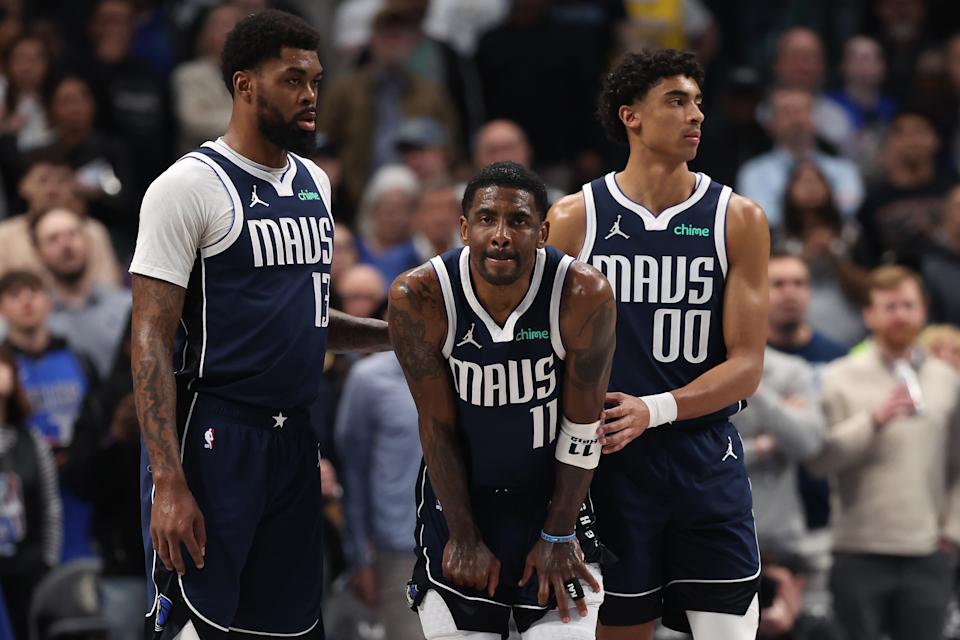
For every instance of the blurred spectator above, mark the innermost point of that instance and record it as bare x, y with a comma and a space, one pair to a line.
90, 315
26, 65
902, 211
814, 230
424, 148
731, 133
941, 263
783, 588
105, 448
670, 24
953, 72
56, 380
386, 212
362, 112
790, 329
800, 64
361, 290
899, 27
378, 438
344, 251
511, 55
504, 141
862, 96
436, 228
133, 101
764, 178
100, 161
781, 427
461, 23
202, 103
942, 341
30, 512
326, 155
893, 437
47, 184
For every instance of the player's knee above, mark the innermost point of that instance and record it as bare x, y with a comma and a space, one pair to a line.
438, 622
707, 625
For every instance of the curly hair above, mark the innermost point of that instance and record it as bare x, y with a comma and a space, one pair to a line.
634, 76
262, 36
511, 175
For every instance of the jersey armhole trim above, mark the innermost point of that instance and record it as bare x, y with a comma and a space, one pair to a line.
555, 295
446, 288
236, 226
720, 228
590, 218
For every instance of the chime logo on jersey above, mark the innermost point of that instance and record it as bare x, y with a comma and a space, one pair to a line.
532, 334
303, 240
499, 384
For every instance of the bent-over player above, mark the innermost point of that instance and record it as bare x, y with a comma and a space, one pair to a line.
506, 346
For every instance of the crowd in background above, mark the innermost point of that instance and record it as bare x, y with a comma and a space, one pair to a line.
841, 118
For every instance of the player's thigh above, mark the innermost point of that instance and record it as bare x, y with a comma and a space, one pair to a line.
438, 622
631, 520
635, 632
551, 627
281, 584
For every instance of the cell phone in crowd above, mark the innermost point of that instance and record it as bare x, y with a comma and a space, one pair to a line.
906, 374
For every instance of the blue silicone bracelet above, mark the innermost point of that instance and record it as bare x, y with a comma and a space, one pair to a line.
546, 537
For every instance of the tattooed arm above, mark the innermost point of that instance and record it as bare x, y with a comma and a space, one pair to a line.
350, 333
175, 518
418, 324
588, 319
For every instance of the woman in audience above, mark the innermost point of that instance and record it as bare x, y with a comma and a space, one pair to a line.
813, 229
26, 65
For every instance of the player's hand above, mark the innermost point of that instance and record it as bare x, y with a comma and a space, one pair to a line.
469, 563
556, 564
897, 403
175, 520
623, 422
364, 585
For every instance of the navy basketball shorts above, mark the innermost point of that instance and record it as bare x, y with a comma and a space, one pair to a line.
510, 522
254, 474
675, 506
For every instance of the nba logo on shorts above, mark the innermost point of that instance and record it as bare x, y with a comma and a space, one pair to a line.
208, 438
163, 612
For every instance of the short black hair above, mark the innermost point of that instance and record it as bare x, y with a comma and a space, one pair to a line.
634, 76
262, 36
507, 174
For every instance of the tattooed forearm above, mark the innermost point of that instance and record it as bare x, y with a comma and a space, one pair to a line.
350, 333
411, 309
156, 311
443, 452
589, 365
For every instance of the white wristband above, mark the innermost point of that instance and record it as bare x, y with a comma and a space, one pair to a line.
577, 444
662, 408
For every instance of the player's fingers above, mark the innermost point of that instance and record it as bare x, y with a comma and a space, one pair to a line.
621, 437
163, 553
581, 604
588, 577
613, 448
173, 542
200, 532
193, 548
527, 573
493, 578
614, 397
614, 412
560, 593
543, 590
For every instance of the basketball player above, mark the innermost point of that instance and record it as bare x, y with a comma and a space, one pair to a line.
687, 259
234, 250
506, 347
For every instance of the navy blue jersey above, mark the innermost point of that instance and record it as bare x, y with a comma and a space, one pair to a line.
507, 379
668, 273
254, 326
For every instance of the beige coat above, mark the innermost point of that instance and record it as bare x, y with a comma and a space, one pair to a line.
893, 488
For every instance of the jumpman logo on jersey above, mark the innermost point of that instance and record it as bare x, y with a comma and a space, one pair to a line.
729, 453
255, 199
616, 231
468, 338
